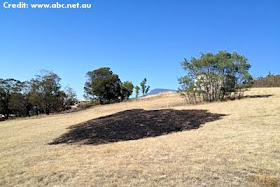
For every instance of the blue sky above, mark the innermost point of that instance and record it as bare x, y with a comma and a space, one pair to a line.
136, 39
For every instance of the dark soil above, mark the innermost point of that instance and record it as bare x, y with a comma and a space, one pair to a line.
135, 124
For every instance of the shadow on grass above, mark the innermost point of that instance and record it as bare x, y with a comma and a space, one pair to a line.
259, 96
135, 124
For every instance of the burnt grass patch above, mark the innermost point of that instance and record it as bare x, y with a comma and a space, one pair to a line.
135, 124
259, 96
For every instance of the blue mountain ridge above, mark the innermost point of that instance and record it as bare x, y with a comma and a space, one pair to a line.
160, 90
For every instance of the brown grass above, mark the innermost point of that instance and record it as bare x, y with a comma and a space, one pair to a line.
241, 149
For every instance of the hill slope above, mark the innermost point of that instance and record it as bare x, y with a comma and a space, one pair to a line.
239, 149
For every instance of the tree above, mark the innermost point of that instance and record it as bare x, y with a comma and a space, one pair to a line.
45, 94
214, 77
70, 98
144, 88
137, 89
126, 90
102, 85
8, 89
19, 103
42, 94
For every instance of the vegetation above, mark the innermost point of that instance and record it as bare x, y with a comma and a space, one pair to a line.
214, 77
269, 81
126, 90
106, 87
43, 94
144, 88
102, 85
13, 99
87, 104
137, 90
70, 97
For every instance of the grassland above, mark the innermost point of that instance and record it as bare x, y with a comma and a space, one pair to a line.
240, 149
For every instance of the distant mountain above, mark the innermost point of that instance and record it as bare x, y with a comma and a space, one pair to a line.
160, 90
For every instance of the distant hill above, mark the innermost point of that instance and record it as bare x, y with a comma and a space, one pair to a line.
160, 90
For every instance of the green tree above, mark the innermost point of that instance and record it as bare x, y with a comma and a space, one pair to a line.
126, 90
42, 94
214, 77
144, 88
137, 90
70, 98
45, 92
19, 103
102, 85
8, 88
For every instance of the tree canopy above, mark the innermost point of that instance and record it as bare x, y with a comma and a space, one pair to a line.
126, 90
144, 87
10, 95
105, 86
43, 94
213, 77
137, 89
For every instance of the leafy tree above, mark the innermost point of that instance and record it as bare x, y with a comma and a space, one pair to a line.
59, 102
102, 85
144, 88
70, 98
42, 94
19, 103
137, 90
8, 89
45, 92
214, 77
126, 89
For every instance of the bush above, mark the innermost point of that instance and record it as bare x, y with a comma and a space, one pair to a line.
268, 81
87, 104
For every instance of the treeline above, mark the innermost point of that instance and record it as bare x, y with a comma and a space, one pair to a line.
269, 81
42, 94
211, 77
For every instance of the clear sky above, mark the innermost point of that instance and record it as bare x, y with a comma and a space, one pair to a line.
136, 38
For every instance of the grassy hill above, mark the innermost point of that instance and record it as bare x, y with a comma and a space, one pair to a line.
239, 148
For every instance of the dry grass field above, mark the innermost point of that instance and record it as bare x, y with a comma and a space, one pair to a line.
241, 148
